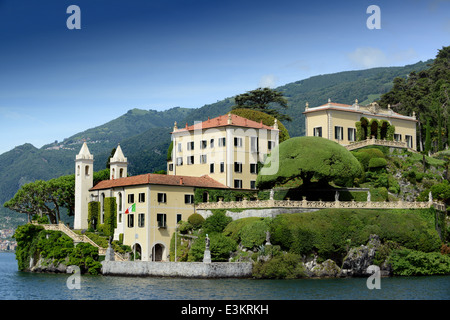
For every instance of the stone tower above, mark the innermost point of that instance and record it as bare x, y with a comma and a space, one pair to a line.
84, 172
118, 165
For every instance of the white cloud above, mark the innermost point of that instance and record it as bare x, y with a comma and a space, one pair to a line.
268, 81
369, 57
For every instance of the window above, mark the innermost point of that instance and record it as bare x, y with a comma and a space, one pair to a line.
221, 142
317, 132
238, 184
270, 145
131, 198
179, 147
190, 145
161, 219
86, 170
179, 161
170, 166
203, 158
397, 137
253, 168
238, 142
254, 144
121, 173
211, 168
338, 133
130, 220
222, 167
188, 198
162, 198
190, 160
141, 220
142, 197
211, 143
203, 144
252, 184
351, 134
179, 217
409, 141
238, 167
120, 202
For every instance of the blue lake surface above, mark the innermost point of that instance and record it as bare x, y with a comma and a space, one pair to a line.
16, 285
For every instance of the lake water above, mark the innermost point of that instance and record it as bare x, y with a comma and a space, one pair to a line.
16, 285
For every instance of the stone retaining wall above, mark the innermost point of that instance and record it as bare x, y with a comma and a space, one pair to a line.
178, 269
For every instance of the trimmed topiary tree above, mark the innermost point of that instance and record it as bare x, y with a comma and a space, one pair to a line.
310, 158
196, 220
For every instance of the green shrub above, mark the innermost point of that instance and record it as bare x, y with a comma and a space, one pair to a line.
414, 263
93, 214
283, 266
253, 234
110, 212
220, 247
363, 158
234, 228
216, 222
373, 152
327, 231
376, 163
26, 238
196, 220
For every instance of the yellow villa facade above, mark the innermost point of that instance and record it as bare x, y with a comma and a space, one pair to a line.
227, 148
221, 153
338, 122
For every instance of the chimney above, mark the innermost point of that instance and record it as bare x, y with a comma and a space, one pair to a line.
229, 118
181, 181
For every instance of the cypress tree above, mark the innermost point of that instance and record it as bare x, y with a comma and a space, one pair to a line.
428, 137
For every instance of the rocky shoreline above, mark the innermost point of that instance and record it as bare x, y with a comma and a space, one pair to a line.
356, 264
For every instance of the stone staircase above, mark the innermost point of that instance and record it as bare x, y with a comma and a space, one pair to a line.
77, 238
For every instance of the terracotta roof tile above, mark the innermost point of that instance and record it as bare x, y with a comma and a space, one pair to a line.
161, 179
222, 121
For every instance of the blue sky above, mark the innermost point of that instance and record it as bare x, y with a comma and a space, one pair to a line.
158, 54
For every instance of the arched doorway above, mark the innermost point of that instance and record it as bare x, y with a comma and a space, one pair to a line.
158, 252
137, 251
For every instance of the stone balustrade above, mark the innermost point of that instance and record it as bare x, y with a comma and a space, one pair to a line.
305, 204
370, 142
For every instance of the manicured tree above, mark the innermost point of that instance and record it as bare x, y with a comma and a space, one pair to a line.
310, 158
110, 224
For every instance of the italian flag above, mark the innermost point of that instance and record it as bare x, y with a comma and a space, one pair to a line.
132, 208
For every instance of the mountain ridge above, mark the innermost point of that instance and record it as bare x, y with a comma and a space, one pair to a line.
144, 135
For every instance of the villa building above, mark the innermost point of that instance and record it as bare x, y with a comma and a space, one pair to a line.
227, 148
220, 153
345, 123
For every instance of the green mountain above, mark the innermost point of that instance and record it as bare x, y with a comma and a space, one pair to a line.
144, 135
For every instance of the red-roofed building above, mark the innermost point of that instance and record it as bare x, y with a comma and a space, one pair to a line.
339, 122
227, 148
220, 153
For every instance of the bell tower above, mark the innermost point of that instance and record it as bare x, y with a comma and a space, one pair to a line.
118, 165
84, 172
